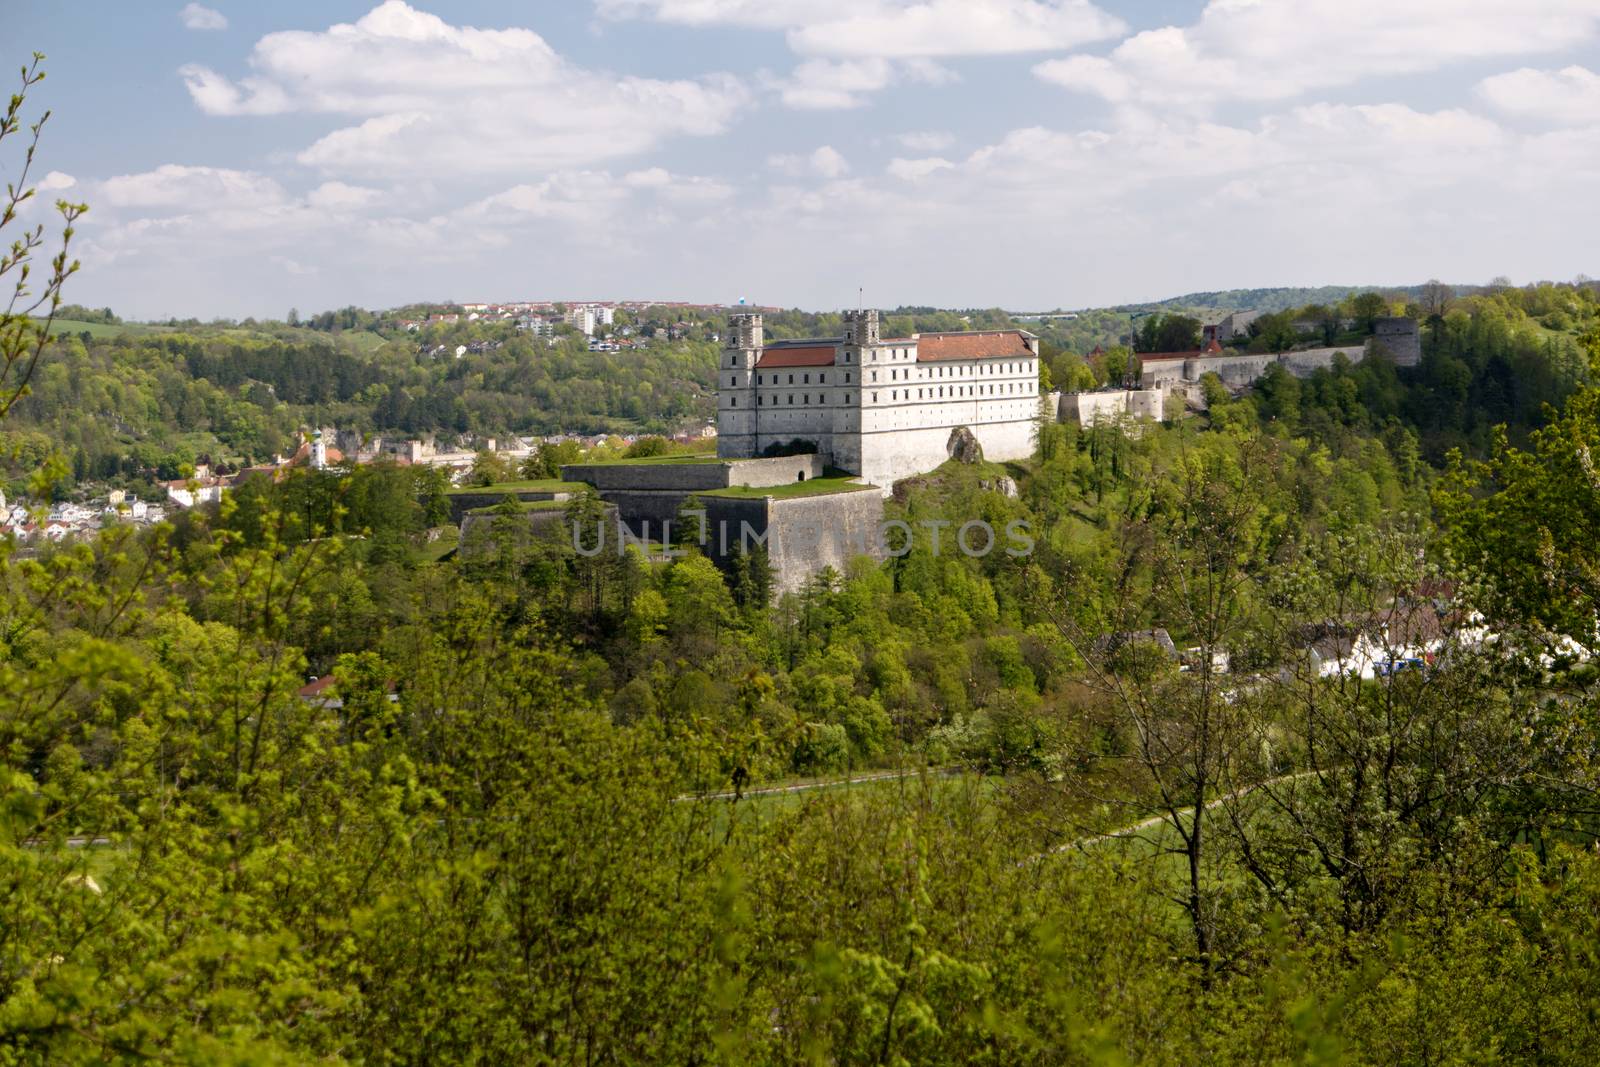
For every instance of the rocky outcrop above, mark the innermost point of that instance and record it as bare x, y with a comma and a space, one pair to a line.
963, 446
1005, 486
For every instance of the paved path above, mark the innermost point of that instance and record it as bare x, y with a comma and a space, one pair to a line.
1157, 820
876, 776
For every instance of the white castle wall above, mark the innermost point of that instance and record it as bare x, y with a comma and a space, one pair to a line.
1110, 405
880, 412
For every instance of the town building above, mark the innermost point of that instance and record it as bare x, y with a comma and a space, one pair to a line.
879, 408
1233, 327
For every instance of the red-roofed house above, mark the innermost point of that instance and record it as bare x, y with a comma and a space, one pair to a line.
883, 409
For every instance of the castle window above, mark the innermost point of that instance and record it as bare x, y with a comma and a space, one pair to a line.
733, 401
791, 399
733, 361
874, 375
823, 378
874, 398
847, 377
847, 398
806, 378
791, 379
806, 399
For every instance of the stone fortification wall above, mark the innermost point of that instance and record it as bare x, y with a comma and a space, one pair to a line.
1303, 363
1111, 404
691, 476
678, 477
802, 535
648, 495
780, 470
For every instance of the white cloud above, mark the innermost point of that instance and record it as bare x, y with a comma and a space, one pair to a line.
858, 47
1261, 50
821, 84
574, 196
957, 28
1570, 96
917, 169
337, 196
925, 140
200, 17
827, 84
293, 266
678, 188
216, 95
595, 200
55, 181
825, 162
434, 98
174, 185
894, 28
756, 14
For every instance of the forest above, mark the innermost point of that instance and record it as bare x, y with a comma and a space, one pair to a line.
532, 818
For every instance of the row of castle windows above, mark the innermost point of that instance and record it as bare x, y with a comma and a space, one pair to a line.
957, 371
895, 374
805, 398
959, 391
940, 393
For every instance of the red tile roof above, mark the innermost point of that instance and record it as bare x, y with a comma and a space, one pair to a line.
986, 344
317, 687
816, 354
978, 344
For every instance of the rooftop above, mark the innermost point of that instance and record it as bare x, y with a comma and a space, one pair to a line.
798, 354
975, 344
931, 347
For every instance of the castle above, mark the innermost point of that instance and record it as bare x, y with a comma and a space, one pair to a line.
879, 408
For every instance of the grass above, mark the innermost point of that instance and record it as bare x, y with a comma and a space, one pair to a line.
523, 505
363, 341
437, 551
688, 457
791, 490
526, 485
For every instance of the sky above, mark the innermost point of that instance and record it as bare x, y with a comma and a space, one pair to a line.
245, 158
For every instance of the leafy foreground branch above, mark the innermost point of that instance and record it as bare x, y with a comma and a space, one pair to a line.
32, 302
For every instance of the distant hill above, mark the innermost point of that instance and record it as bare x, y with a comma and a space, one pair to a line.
1274, 299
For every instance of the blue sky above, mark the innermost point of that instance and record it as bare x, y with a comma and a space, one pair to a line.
247, 158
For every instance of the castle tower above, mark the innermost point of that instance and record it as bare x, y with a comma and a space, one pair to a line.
861, 327
736, 387
857, 353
